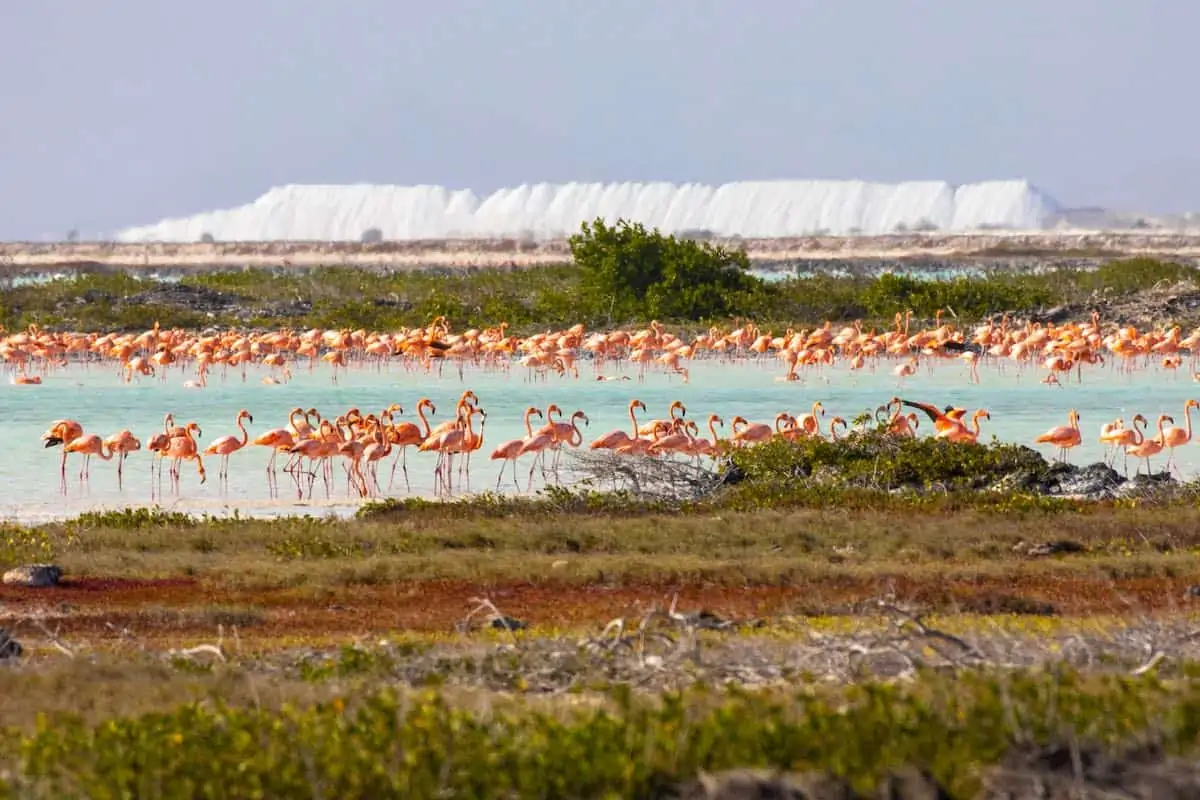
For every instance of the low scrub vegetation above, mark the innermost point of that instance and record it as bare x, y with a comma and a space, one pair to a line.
954, 728
623, 275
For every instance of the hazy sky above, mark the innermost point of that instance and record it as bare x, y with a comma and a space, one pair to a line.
125, 112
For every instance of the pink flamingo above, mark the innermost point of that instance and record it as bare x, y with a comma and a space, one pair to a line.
509, 451
88, 445
121, 444
227, 445
616, 438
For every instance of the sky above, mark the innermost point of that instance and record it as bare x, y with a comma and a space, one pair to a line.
123, 113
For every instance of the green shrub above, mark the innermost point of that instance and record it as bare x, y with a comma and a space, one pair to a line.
623, 275
383, 744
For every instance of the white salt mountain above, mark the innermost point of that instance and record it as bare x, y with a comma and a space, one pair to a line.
751, 209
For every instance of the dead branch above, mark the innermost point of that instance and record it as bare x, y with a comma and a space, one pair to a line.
645, 477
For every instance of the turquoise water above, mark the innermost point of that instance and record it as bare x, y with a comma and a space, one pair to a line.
1021, 408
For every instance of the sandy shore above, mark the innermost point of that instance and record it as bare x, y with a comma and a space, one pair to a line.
27, 256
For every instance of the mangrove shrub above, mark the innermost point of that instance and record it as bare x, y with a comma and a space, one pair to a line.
635, 273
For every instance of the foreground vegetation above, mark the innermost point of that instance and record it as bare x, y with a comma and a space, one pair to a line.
622, 275
850, 611
382, 743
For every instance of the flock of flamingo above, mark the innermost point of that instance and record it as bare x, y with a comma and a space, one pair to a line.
311, 442
1058, 349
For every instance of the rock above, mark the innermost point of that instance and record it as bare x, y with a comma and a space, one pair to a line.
1147, 484
9, 647
1063, 771
33, 575
1054, 548
1095, 481
905, 784
508, 624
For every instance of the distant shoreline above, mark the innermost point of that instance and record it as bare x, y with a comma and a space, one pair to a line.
1033, 247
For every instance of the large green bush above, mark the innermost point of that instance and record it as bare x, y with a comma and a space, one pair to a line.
637, 273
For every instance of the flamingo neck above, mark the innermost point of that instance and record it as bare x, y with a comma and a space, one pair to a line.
421, 416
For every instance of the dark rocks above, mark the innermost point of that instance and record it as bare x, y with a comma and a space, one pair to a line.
1071, 771
761, 785
508, 624
1094, 480
1090, 482
1054, 548
182, 295
10, 648
33, 575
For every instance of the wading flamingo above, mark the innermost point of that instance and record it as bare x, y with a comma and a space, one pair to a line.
279, 440
1064, 437
709, 447
121, 444
616, 438
1146, 448
227, 445
87, 445
1123, 438
649, 427
1177, 437
404, 435
62, 432
184, 448
510, 450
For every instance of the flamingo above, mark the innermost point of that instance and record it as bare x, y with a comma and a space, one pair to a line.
809, 422
905, 370
121, 444
183, 448
229, 444
1063, 436
279, 440
709, 447
87, 445
1177, 437
404, 435
649, 427
62, 432
962, 434
616, 438
751, 432
509, 451
1146, 449
951, 417
379, 449
1124, 438
678, 441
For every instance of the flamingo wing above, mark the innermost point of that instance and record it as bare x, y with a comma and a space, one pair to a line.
931, 410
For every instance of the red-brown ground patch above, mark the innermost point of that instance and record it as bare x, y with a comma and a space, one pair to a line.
184, 606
